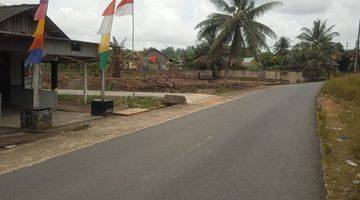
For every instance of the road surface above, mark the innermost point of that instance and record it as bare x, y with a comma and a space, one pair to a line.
263, 146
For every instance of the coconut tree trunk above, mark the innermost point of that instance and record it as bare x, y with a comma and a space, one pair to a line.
227, 67
213, 71
115, 63
262, 68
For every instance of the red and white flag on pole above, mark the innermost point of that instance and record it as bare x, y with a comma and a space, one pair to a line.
126, 7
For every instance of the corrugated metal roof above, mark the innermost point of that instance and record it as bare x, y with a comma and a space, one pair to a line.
154, 49
248, 60
9, 11
46, 37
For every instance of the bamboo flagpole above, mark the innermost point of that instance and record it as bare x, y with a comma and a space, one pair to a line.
104, 46
127, 7
133, 45
133, 26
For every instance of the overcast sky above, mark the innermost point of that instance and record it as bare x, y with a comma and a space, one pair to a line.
161, 23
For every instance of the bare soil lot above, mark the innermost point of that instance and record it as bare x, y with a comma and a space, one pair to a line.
157, 82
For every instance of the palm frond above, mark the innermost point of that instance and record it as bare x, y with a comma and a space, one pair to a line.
223, 6
262, 9
224, 36
237, 42
264, 29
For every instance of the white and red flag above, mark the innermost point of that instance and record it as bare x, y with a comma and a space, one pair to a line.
126, 7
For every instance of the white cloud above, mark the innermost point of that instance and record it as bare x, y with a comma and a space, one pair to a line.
305, 7
161, 23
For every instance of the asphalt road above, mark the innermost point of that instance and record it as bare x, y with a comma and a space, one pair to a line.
263, 146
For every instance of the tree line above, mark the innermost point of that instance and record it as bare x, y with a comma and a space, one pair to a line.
234, 32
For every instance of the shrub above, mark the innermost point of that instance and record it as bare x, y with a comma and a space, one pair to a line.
346, 88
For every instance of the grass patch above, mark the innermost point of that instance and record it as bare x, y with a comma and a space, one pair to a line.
346, 91
123, 102
338, 117
223, 90
323, 133
346, 88
351, 117
140, 102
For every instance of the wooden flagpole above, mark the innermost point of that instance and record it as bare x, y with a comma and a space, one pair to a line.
133, 25
102, 85
133, 46
35, 82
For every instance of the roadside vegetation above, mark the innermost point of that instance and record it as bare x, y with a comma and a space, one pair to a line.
339, 131
230, 39
317, 55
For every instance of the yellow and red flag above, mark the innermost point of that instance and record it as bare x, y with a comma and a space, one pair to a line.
105, 32
36, 48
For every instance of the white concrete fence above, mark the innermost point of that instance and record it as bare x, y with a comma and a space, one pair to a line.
289, 76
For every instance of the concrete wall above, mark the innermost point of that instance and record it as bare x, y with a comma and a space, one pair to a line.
272, 75
191, 74
21, 97
291, 77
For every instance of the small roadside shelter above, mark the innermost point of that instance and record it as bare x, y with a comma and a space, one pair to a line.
16, 29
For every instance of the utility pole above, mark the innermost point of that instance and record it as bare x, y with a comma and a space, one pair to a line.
357, 51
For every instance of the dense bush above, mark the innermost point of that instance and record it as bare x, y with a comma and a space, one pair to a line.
346, 88
314, 73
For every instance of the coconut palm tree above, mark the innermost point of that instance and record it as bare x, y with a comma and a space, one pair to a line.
205, 59
318, 52
282, 46
236, 27
117, 54
319, 34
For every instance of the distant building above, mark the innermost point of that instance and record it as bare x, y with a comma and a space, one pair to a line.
155, 60
16, 29
247, 61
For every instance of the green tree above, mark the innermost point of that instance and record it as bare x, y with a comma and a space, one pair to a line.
117, 57
236, 26
266, 60
187, 56
320, 34
204, 60
170, 52
282, 46
317, 54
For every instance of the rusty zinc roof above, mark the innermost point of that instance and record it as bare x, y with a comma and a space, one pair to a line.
9, 11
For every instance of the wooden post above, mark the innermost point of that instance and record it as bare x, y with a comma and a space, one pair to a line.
133, 90
85, 82
54, 75
35, 82
102, 85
